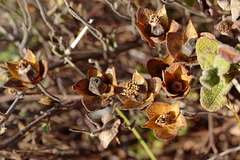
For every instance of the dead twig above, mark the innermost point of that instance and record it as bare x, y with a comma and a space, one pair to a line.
49, 113
92, 29
47, 93
225, 153
116, 11
26, 25
177, 3
11, 108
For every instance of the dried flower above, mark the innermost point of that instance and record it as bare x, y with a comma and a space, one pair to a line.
165, 120
176, 81
97, 88
137, 93
154, 27
26, 73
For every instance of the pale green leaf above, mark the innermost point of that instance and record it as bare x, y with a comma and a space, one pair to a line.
205, 44
210, 78
206, 59
215, 98
222, 66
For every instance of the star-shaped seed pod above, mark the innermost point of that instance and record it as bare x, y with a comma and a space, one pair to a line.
26, 73
97, 88
153, 26
165, 120
138, 93
176, 81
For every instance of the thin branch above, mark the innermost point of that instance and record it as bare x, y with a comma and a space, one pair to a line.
11, 108
210, 135
28, 127
26, 25
116, 11
225, 153
29, 19
74, 67
177, 3
95, 55
42, 12
47, 93
94, 31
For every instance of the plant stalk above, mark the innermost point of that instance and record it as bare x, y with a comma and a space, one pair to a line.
138, 136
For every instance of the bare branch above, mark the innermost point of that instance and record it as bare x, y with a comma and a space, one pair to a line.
225, 153
47, 93
49, 113
11, 108
94, 31
177, 3
116, 11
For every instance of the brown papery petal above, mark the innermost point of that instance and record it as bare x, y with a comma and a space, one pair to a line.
162, 14
16, 84
157, 108
131, 105
174, 26
174, 43
92, 103
166, 133
151, 123
177, 69
189, 32
111, 75
138, 78
43, 68
145, 33
155, 67
154, 85
12, 67
181, 121
31, 58
93, 72
168, 78
81, 87
143, 15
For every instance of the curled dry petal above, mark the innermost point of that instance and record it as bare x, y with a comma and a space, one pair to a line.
165, 120
155, 66
189, 32
176, 81
92, 103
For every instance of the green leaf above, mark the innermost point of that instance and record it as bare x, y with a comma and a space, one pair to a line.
210, 78
222, 66
215, 98
205, 44
206, 59
46, 127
